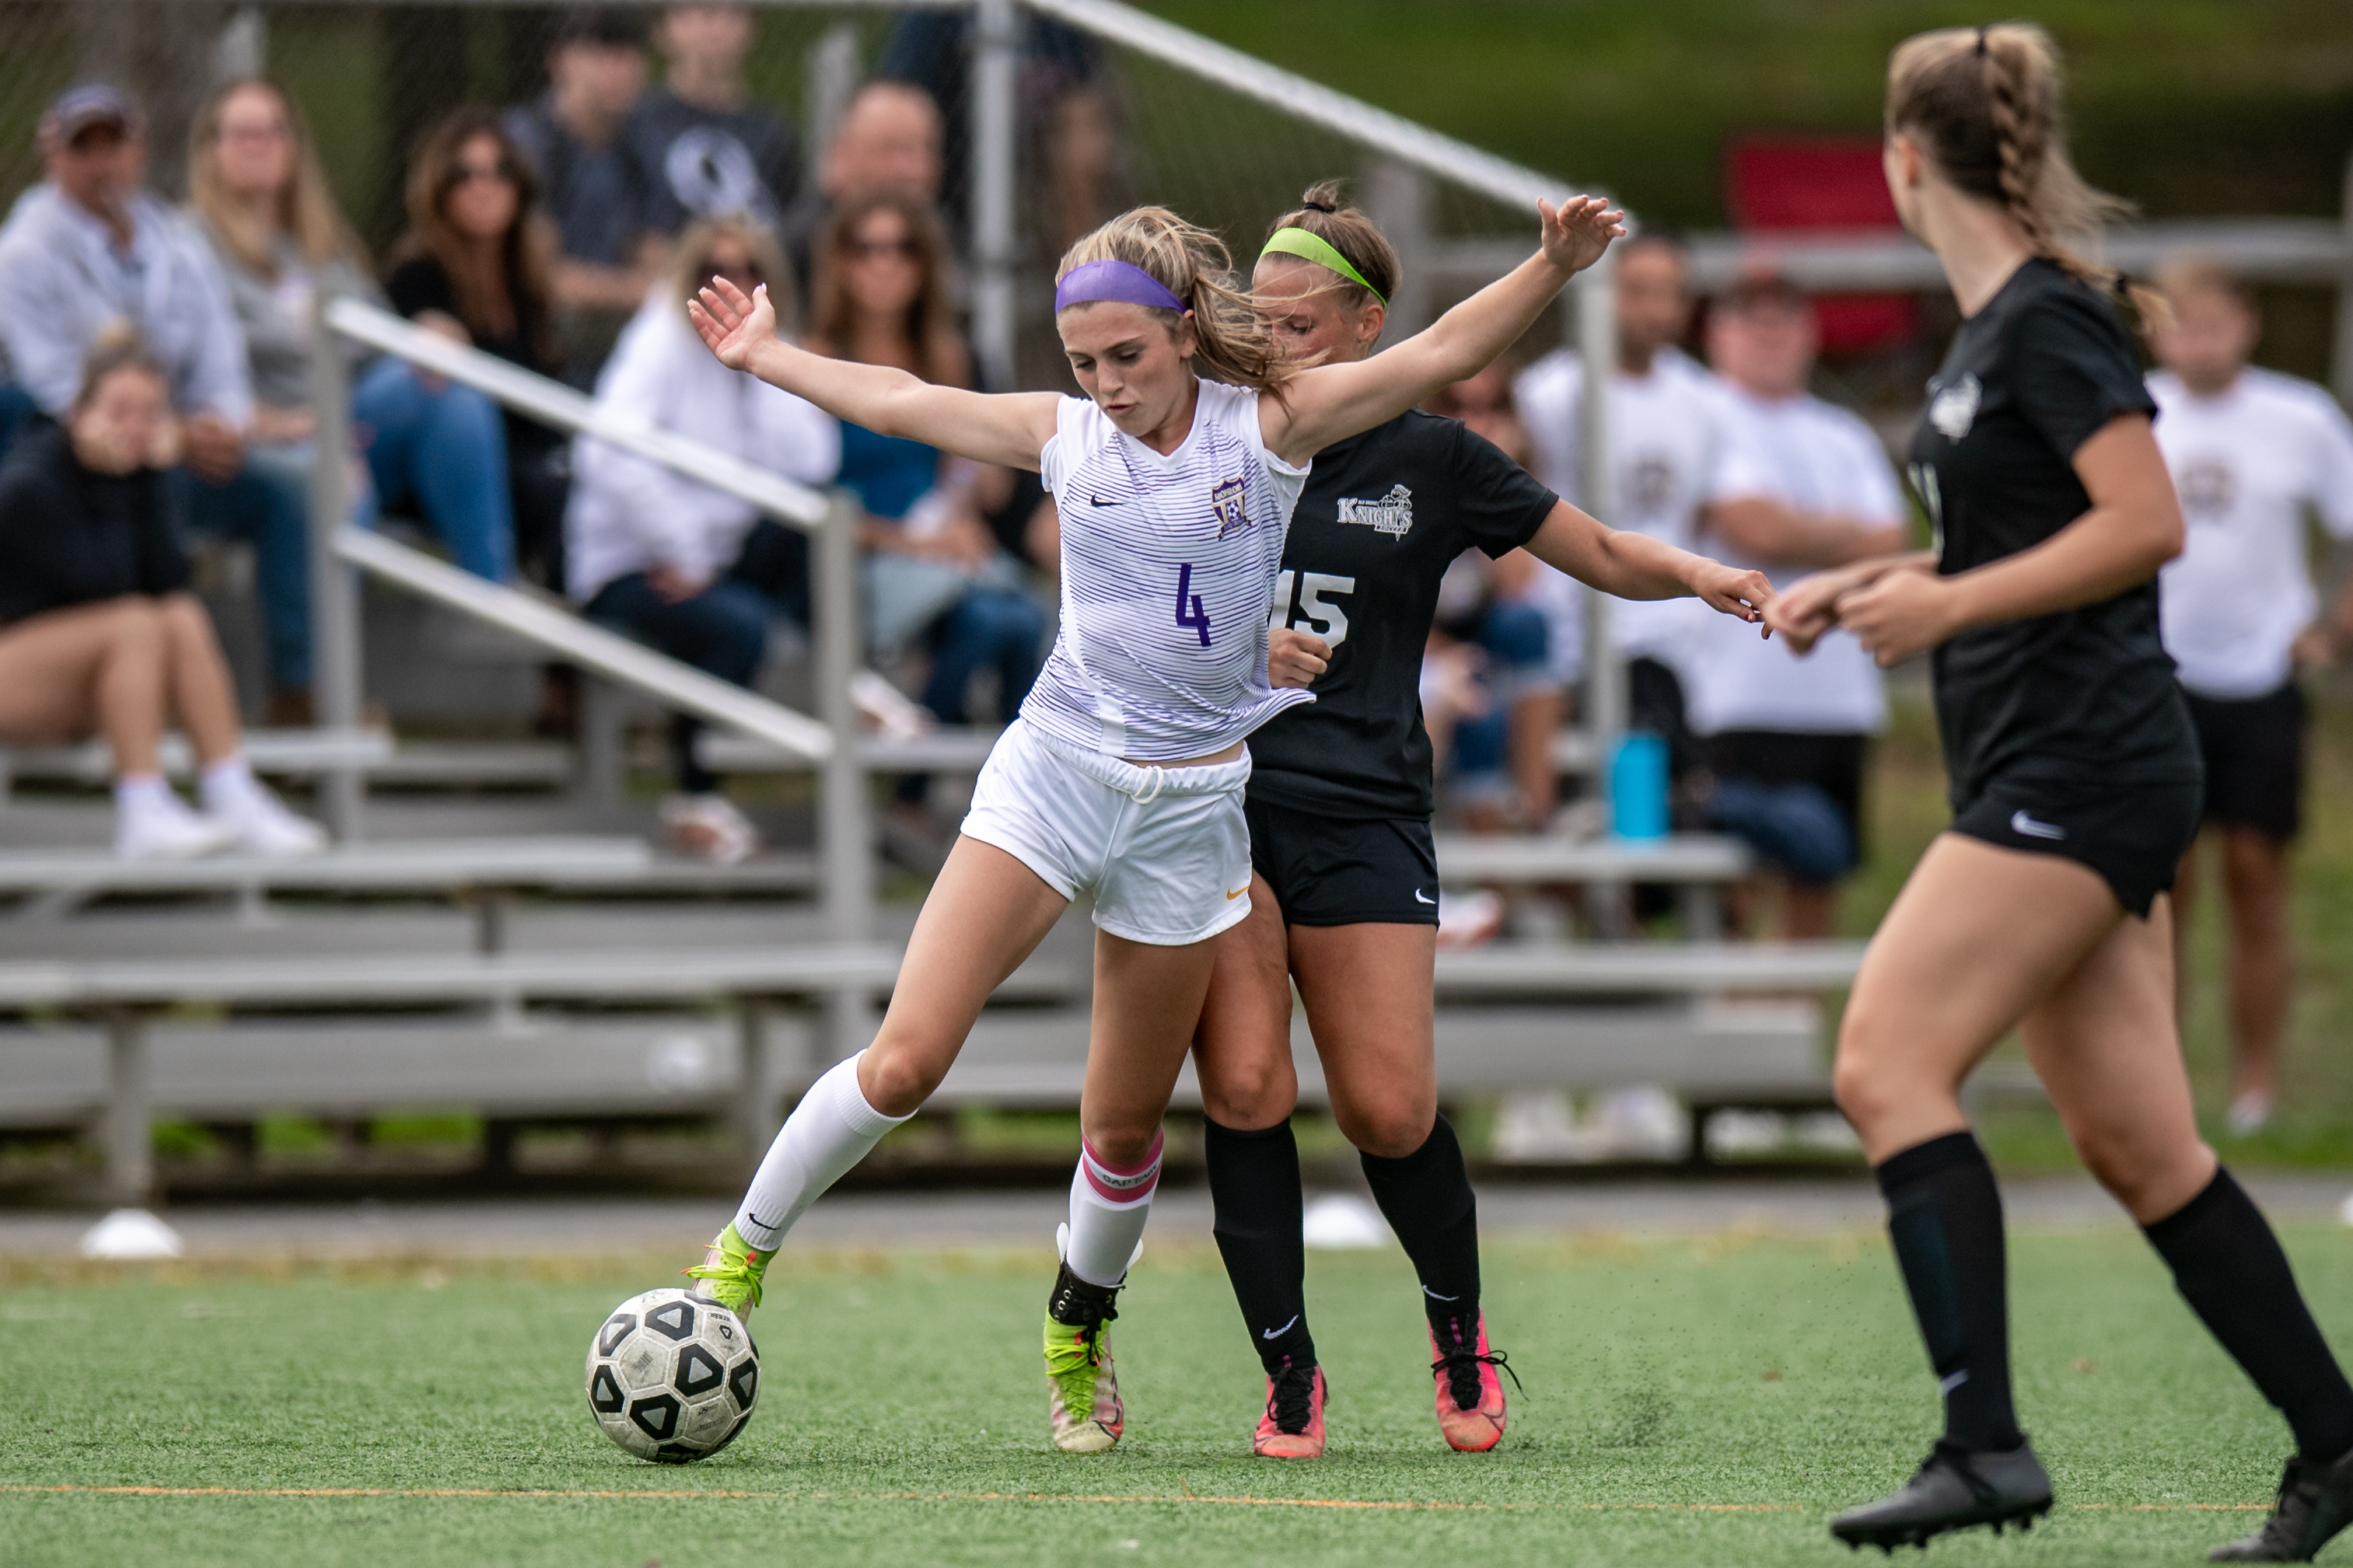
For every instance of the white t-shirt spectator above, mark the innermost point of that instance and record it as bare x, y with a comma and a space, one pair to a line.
1812, 456
1665, 443
629, 513
2247, 464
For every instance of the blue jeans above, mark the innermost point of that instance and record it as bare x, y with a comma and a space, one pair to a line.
989, 628
446, 451
267, 503
721, 631
16, 408
1516, 639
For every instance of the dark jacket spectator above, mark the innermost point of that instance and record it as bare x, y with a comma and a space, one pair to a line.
708, 150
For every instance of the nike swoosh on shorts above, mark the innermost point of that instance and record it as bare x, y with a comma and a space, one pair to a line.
1419, 900
2026, 826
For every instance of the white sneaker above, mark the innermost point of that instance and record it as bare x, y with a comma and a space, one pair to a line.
2249, 1114
709, 828
264, 827
161, 828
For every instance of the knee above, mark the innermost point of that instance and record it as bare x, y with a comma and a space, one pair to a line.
1387, 1126
2148, 1174
1251, 1096
183, 618
896, 1081
1123, 1145
1866, 1080
137, 624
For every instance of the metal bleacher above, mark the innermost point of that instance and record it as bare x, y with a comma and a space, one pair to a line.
493, 930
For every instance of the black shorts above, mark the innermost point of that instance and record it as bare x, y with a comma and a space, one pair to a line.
1833, 764
1344, 871
2133, 835
2253, 748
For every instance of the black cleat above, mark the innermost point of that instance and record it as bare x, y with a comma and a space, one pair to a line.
2316, 1501
1953, 1489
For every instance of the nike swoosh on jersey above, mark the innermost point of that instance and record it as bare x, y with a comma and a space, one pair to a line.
1278, 1333
1098, 500
1238, 892
2026, 826
1419, 900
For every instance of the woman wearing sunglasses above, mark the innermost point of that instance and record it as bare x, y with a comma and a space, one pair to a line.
690, 570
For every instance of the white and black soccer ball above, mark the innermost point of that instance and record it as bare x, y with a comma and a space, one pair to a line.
673, 1379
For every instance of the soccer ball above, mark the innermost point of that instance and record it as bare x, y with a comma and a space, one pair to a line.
673, 1379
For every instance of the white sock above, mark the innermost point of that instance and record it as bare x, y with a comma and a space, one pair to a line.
828, 1131
1108, 1208
144, 792
229, 786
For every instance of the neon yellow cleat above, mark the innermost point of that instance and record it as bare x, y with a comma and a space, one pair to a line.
1083, 1403
730, 1273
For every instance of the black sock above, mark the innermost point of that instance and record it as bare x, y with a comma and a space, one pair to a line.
1254, 1187
1428, 1200
2228, 1265
1943, 1214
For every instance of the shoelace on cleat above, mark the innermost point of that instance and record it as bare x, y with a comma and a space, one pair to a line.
1291, 1401
729, 1273
1955, 1458
1461, 1366
1083, 1350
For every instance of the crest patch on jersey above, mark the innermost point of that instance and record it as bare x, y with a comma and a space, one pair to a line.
1955, 408
1392, 514
1226, 501
2207, 487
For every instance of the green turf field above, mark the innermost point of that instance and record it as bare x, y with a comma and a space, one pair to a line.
1697, 1401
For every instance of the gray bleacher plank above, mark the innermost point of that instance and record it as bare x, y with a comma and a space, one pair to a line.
950, 749
356, 868
1637, 968
1549, 858
294, 751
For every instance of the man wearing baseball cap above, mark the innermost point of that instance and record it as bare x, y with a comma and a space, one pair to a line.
88, 249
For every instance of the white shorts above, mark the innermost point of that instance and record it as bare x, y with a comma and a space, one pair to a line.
1165, 851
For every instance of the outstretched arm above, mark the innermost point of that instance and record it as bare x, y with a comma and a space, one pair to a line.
1332, 402
1633, 565
1009, 428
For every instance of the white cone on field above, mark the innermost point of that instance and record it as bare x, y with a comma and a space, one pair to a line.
131, 1233
1339, 1223
2346, 1213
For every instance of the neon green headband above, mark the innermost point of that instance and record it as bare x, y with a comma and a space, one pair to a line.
1314, 247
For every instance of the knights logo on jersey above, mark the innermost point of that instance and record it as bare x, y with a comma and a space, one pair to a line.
1392, 514
1233, 511
2207, 487
1955, 408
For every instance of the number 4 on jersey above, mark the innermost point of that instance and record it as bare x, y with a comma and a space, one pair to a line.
1190, 612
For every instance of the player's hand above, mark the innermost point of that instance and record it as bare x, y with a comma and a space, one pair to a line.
1295, 658
1901, 613
1576, 232
1743, 594
731, 326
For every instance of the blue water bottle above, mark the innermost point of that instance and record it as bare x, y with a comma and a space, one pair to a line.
1638, 785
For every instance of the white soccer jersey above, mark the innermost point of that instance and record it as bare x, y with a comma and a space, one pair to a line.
1665, 446
1167, 566
1811, 457
2246, 465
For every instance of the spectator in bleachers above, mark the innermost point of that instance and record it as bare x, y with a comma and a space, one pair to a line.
89, 249
707, 149
1803, 485
690, 569
888, 139
595, 189
2252, 452
1502, 772
935, 574
478, 265
99, 634
1664, 447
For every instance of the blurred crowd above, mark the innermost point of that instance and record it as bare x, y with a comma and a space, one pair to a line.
157, 391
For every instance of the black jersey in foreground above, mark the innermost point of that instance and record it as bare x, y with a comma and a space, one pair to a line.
2088, 691
1382, 516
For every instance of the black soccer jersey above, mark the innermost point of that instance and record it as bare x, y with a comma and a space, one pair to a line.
2087, 694
1383, 515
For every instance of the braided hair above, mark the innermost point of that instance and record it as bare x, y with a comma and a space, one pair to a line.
1985, 101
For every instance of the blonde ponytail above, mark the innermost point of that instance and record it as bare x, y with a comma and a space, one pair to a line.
1193, 264
1987, 103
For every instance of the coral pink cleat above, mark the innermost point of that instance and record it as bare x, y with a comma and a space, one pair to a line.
1470, 1394
1292, 1427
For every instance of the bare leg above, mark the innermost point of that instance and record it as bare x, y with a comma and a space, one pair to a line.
985, 914
1147, 1001
203, 696
2263, 957
1241, 1048
1367, 989
95, 667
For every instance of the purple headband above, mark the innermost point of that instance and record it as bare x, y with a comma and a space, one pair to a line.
1090, 281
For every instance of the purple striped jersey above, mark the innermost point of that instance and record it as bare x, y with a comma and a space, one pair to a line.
1168, 566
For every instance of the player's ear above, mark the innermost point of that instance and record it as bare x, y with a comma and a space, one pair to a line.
1369, 322
1187, 340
